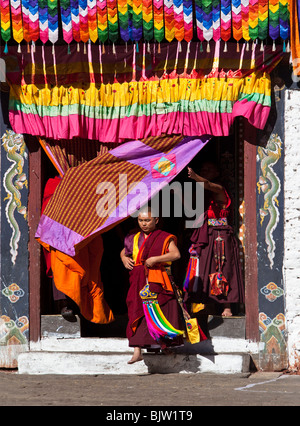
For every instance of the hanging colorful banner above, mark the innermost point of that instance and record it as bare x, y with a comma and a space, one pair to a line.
147, 20
97, 97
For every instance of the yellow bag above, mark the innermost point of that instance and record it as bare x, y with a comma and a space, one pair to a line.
192, 330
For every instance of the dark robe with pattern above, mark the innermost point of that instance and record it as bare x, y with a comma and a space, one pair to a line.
203, 240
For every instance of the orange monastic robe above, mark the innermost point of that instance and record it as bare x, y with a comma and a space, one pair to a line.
79, 278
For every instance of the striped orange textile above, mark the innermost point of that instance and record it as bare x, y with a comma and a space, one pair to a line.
160, 144
86, 179
66, 153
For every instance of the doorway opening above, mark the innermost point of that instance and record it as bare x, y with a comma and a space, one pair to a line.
227, 153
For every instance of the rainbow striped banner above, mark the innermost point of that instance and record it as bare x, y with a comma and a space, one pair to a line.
245, 19
43, 20
112, 14
188, 19
66, 20
102, 20
5, 20
158, 12
83, 20
53, 20
237, 28
216, 16
125, 107
92, 20
169, 20
26, 21
148, 20
207, 6
123, 15
179, 20
16, 18
34, 19
226, 18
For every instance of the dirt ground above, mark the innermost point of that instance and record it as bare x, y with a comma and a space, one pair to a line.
176, 391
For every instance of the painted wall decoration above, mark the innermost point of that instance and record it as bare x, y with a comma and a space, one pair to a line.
269, 184
270, 234
271, 291
14, 309
13, 292
13, 330
273, 335
14, 180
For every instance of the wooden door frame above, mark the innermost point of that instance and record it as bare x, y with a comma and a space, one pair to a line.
250, 238
34, 248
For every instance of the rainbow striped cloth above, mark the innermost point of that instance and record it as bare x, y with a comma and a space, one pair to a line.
128, 96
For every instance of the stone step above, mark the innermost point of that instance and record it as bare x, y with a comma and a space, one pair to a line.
214, 345
220, 363
78, 363
110, 355
233, 327
57, 326
84, 344
63, 350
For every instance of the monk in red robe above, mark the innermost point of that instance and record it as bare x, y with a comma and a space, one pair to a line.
145, 255
215, 247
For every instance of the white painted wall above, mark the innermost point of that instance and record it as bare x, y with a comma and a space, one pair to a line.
291, 263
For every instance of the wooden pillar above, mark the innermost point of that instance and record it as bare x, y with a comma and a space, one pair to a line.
34, 248
251, 291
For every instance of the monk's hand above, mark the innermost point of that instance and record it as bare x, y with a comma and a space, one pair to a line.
191, 173
151, 261
128, 262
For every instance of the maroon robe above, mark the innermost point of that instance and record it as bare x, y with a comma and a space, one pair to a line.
203, 240
137, 332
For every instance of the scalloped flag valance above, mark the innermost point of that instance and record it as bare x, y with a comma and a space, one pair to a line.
147, 20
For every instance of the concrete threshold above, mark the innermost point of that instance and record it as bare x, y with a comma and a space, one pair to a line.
110, 355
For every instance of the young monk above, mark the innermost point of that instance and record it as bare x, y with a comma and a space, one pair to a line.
147, 251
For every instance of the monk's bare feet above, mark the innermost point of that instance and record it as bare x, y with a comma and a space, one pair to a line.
227, 312
137, 356
134, 359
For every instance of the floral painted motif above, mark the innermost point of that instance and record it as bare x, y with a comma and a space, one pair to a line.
13, 292
271, 291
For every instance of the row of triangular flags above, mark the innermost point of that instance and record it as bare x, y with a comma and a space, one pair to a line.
148, 20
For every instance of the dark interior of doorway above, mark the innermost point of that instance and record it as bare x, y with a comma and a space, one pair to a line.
224, 151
